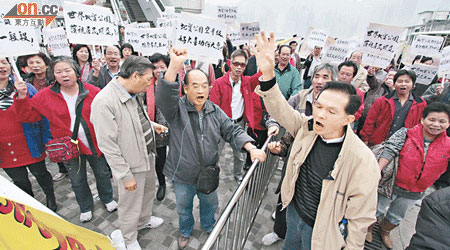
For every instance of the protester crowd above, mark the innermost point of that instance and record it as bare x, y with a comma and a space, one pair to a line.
362, 144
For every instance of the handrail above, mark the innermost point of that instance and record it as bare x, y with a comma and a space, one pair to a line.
245, 204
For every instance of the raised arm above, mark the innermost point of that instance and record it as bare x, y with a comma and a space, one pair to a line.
23, 104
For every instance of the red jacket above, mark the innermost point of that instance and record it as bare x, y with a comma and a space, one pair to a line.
50, 103
416, 173
379, 119
222, 91
360, 110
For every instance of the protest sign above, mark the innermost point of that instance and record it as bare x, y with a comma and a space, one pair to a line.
143, 25
427, 45
132, 37
317, 37
375, 60
88, 24
444, 65
249, 30
16, 40
234, 33
424, 73
147, 41
169, 25
202, 36
227, 14
336, 52
56, 40
382, 40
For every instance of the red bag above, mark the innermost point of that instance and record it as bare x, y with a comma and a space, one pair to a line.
62, 149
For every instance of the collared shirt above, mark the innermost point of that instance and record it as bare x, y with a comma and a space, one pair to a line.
400, 114
335, 140
237, 100
111, 73
287, 68
124, 91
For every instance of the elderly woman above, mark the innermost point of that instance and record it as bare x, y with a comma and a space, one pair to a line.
58, 104
82, 55
22, 144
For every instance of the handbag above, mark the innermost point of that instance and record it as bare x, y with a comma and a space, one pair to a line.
161, 139
65, 148
208, 178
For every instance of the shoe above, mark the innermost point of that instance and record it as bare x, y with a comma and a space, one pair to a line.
85, 217
59, 177
51, 202
273, 215
111, 206
369, 235
154, 222
270, 238
182, 242
385, 233
161, 193
134, 246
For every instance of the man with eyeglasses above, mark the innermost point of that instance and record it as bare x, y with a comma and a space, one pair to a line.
288, 78
102, 75
233, 94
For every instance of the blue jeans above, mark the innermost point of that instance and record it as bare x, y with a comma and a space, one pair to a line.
78, 178
298, 233
184, 195
396, 208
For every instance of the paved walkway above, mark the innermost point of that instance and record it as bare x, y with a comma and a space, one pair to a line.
165, 236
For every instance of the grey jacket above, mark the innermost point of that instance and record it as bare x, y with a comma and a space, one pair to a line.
102, 79
183, 164
119, 133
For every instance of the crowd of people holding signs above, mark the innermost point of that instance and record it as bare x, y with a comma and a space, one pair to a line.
366, 124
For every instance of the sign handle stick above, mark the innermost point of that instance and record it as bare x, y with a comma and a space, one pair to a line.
443, 80
14, 66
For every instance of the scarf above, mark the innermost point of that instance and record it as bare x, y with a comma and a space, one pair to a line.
6, 99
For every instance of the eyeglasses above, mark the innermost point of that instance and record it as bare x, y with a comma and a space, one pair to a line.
237, 64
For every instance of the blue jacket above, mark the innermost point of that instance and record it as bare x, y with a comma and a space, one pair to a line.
37, 134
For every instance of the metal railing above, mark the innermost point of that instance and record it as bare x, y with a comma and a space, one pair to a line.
235, 222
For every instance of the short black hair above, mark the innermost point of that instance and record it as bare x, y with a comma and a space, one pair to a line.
354, 101
291, 42
409, 73
438, 107
76, 48
349, 64
186, 76
117, 46
43, 56
160, 57
284, 46
426, 58
239, 52
126, 45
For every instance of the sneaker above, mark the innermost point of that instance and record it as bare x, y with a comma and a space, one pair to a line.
59, 177
111, 206
134, 246
85, 217
154, 222
273, 215
182, 242
270, 238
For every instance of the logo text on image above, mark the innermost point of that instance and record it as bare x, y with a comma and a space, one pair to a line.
29, 14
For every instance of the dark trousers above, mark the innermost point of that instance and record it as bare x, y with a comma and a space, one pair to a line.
279, 227
62, 168
159, 164
19, 175
260, 136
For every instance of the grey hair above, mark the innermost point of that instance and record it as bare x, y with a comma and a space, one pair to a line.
133, 64
327, 66
66, 59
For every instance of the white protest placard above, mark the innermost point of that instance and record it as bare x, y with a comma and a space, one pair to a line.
153, 40
202, 36
169, 25
132, 37
375, 60
16, 40
227, 13
427, 45
143, 25
234, 33
444, 64
317, 38
424, 73
249, 30
382, 40
56, 40
336, 52
88, 24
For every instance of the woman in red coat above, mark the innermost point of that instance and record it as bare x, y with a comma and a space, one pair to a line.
58, 103
21, 144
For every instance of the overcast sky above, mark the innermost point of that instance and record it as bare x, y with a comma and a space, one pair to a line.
341, 18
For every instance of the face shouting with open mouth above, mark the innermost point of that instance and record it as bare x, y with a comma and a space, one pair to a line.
197, 88
403, 85
64, 74
112, 56
5, 69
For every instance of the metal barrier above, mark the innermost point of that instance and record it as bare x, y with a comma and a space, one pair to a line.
238, 216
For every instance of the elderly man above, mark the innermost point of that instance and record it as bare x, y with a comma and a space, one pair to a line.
196, 127
359, 81
126, 137
101, 76
295, 58
311, 62
331, 177
288, 77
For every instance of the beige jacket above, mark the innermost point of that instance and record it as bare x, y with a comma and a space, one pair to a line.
119, 132
359, 81
351, 195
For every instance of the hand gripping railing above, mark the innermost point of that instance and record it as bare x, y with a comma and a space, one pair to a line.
241, 210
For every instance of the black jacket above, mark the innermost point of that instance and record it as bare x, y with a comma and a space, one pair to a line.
433, 223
